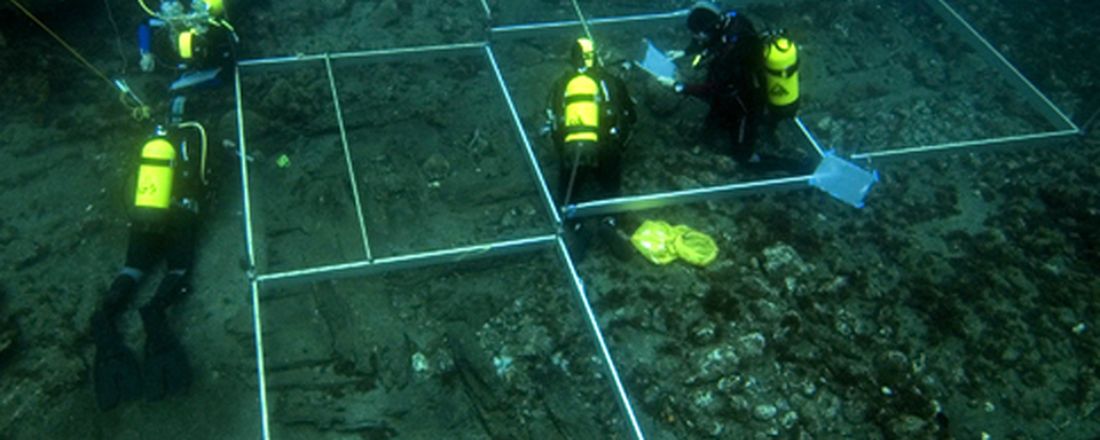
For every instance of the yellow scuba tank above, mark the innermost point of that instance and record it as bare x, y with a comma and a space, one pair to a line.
582, 112
154, 182
781, 73
214, 7
185, 43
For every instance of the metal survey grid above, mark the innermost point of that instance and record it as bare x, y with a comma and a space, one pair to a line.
370, 264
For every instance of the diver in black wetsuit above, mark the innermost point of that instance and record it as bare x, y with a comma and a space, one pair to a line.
193, 37
164, 217
591, 119
728, 46
170, 187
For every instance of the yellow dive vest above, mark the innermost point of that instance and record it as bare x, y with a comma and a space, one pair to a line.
582, 109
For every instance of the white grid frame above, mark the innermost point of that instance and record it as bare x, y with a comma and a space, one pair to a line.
1064, 129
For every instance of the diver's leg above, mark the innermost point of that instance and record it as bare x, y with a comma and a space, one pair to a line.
742, 132
116, 374
167, 370
565, 169
610, 172
610, 227
769, 127
578, 231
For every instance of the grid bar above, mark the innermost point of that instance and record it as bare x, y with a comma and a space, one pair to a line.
809, 136
651, 201
389, 264
963, 146
1038, 100
532, 161
1065, 128
584, 22
523, 30
352, 178
601, 342
378, 55
246, 194
488, 10
257, 328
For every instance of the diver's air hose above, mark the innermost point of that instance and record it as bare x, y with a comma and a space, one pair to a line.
61, 41
202, 137
145, 8
572, 177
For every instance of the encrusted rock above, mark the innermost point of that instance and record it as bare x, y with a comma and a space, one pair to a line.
751, 345
764, 412
331, 8
386, 13
781, 259
909, 426
7, 234
436, 168
7, 339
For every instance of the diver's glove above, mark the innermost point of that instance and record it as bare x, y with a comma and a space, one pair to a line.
548, 125
166, 368
115, 371
148, 63
671, 83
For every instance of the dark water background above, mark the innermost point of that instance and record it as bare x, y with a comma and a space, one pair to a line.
961, 301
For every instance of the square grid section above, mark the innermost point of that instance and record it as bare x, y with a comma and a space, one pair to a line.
396, 207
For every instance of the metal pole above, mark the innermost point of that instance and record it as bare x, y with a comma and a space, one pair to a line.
572, 176
246, 194
532, 161
377, 55
257, 328
809, 136
389, 264
519, 29
584, 23
242, 151
650, 201
488, 11
1037, 99
347, 159
963, 146
601, 342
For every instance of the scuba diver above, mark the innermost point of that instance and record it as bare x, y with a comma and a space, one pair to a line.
751, 81
192, 36
591, 117
170, 186
164, 217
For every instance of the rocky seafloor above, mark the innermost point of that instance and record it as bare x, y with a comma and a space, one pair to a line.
960, 301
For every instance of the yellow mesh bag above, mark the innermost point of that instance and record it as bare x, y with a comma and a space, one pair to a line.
654, 240
693, 246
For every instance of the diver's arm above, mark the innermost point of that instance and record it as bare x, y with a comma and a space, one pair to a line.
698, 90
145, 46
145, 34
722, 74
628, 114
694, 48
554, 107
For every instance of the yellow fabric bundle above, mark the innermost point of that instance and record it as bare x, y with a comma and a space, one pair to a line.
662, 243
